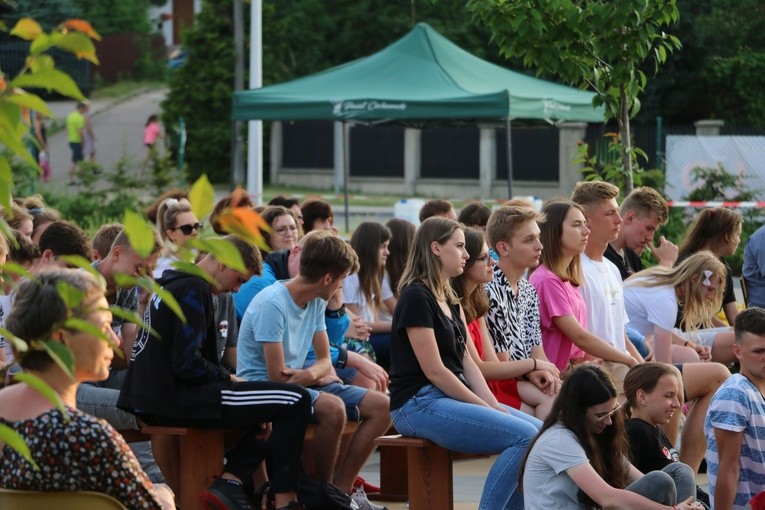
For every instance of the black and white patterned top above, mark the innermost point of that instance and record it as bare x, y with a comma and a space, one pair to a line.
513, 321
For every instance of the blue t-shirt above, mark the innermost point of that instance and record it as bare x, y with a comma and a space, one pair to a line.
251, 288
274, 317
738, 406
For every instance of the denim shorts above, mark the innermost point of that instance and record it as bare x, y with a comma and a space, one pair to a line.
350, 395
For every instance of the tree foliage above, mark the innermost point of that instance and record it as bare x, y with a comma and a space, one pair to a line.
201, 92
601, 45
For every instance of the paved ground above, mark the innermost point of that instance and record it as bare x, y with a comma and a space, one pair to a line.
118, 128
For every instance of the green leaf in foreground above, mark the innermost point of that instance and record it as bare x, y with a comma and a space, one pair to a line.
133, 318
223, 250
43, 388
202, 196
188, 267
139, 233
81, 262
165, 296
60, 354
15, 441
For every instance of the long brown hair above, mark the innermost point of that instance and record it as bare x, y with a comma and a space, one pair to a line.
550, 235
423, 264
366, 241
476, 303
709, 230
402, 235
644, 376
585, 386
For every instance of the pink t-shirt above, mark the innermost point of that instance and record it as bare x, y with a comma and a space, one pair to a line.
150, 133
558, 299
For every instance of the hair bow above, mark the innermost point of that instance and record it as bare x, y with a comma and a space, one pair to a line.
707, 275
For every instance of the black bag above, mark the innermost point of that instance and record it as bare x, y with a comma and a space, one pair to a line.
313, 494
316, 495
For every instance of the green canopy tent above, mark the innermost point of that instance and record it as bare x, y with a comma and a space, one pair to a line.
421, 76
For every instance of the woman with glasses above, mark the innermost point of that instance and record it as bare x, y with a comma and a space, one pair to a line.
176, 223
284, 231
517, 391
580, 457
436, 390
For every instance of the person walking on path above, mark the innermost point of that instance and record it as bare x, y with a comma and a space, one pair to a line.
75, 127
151, 133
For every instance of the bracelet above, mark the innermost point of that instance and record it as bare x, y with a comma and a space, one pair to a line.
535, 364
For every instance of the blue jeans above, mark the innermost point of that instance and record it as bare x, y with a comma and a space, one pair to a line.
469, 428
638, 341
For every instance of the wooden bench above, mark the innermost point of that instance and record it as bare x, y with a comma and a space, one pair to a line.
191, 458
417, 470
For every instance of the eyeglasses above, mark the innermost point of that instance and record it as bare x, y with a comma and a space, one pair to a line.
282, 231
600, 419
487, 259
189, 228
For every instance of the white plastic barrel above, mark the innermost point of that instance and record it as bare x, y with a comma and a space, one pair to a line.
409, 209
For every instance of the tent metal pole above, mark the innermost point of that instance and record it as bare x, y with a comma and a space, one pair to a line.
346, 174
508, 141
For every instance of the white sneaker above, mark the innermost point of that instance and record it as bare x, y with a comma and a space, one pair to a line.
359, 497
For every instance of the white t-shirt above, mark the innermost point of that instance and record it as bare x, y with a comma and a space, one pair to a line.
352, 295
602, 293
650, 306
6, 303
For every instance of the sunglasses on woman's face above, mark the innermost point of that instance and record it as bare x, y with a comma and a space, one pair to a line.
189, 228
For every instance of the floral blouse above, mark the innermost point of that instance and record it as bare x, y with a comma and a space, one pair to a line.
76, 452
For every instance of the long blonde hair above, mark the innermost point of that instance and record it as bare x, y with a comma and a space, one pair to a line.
697, 310
423, 264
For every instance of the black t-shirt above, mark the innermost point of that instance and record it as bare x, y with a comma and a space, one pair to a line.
628, 265
417, 308
651, 450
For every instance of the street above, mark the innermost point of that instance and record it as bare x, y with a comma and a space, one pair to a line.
118, 128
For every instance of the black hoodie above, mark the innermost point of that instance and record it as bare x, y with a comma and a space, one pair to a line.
177, 375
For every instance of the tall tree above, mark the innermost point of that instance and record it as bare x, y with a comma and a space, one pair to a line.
602, 45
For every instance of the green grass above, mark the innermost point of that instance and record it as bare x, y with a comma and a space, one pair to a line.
122, 89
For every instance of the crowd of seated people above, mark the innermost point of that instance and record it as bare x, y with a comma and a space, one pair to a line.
536, 335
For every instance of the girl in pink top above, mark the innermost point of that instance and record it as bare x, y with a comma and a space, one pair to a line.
561, 308
151, 133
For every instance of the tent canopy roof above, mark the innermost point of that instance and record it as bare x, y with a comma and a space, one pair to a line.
423, 75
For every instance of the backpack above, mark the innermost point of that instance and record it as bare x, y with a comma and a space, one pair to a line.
313, 494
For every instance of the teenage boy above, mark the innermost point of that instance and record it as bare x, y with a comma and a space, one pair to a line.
602, 289
513, 315
279, 327
736, 420
603, 294
123, 259
642, 212
175, 379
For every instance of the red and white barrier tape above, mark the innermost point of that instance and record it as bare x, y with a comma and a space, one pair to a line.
705, 203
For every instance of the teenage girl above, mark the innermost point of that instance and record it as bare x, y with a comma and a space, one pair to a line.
580, 457
436, 390
520, 393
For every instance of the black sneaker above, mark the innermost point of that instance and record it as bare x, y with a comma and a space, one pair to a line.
225, 495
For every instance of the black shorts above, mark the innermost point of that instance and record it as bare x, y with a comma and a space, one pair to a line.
76, 151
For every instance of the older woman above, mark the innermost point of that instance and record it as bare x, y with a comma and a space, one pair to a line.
76, 452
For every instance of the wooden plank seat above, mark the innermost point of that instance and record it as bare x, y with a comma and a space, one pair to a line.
417, 470
191, 458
